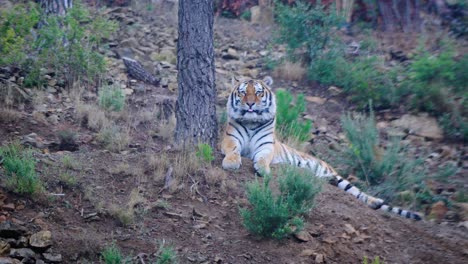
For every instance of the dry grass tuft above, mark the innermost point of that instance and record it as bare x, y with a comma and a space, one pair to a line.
292, 71
165, 128
8, 115
182, 164
91, 116
114, 138
126, 214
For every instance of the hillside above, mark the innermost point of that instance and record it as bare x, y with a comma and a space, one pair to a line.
133, 187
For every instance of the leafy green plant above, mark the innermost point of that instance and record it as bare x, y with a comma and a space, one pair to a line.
68, 179
278, 216
167, 255
20, 169
288, 121
246, 15
112, 255
438, 84
68, 45
205, 152
305, 29
376, 260
372, 163
15, 26
112, 98
68, 162
387, 171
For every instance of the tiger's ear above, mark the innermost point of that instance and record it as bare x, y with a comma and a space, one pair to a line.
234, 81
268, 80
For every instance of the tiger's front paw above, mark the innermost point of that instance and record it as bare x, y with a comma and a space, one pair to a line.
261, 168
232, 162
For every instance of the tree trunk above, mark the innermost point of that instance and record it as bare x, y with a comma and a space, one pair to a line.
56, 7
195, 107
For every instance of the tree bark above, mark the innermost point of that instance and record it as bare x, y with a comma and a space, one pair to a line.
56, 7
196, 102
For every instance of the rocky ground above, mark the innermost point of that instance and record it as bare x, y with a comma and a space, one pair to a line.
148, 193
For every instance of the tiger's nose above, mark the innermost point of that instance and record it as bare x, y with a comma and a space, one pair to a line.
250, 104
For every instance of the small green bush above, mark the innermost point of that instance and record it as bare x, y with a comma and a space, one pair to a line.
387, 171
112, 255
15, 29
372, 163
67, 44
376, 260
437, 84
288, 121
205, 152
278, 216
20, 169
305, 29
167, 255
112, 98
246, 15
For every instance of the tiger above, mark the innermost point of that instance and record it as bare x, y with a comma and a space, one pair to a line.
250, 132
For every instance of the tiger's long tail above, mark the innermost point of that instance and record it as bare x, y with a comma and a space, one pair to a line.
322, 169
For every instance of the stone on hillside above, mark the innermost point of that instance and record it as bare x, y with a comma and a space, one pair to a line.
42, 239
11, 230
4, 248
421, 125
335, 90
4, 260
129, 43
319, 258
316, 100
349, 229
53, 258
21, 253
261, 15
302, 236
307, 253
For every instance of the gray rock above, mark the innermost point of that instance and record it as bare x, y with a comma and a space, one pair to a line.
42, 239
4, 260
421, 125
21, 253
54, 258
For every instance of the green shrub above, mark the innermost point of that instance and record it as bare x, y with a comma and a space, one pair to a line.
246, 15
288, 121
376, 260
372, 163
167, 255
279, 215
205, 152
68, 45
306, 30
20, 169
438, 84
15, 29
68, 179
112, 255
112, 98
387, 171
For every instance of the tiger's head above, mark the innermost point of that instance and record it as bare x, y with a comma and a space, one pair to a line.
252, 101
